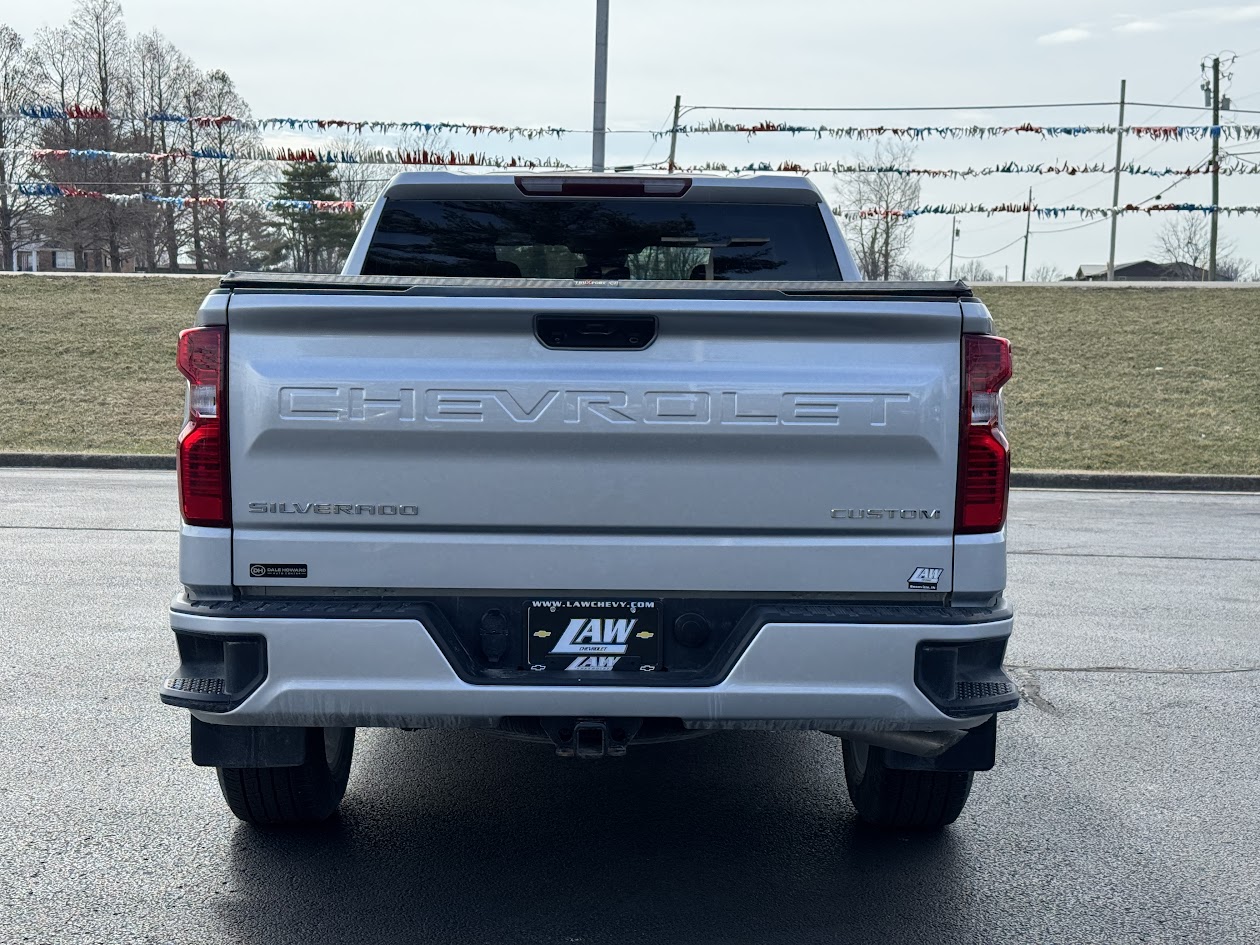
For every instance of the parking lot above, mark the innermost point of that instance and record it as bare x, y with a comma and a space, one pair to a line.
1125, 806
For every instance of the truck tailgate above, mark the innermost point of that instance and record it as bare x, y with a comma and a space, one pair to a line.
756, 445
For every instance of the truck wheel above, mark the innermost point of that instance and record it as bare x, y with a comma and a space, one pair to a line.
902, 800
304, 794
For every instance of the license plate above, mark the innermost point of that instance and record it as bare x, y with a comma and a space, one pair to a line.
595, 636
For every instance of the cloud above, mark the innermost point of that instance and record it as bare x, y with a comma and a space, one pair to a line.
1234, 14
1073, 34
1140, 26
1238, 13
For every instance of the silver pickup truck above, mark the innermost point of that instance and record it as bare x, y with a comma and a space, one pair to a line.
596, 461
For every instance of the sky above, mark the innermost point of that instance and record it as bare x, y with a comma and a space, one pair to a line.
529, 62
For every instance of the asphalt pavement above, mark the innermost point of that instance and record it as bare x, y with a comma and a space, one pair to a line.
1125, 806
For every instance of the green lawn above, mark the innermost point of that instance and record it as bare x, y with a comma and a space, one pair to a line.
1152, 380
1146, 380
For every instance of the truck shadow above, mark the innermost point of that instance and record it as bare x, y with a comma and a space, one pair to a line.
459, 837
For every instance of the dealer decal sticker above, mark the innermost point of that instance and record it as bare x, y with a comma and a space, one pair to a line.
925, 579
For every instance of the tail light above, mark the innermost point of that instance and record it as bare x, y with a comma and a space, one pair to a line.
984, 458
202, 456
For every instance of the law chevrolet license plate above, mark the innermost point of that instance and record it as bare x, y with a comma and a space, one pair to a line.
593, 636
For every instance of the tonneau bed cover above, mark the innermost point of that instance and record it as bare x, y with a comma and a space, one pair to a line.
634, 289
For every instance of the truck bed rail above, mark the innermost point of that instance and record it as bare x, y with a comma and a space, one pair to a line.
560, 288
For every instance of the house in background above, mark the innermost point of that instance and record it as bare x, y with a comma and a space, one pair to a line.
43, 257
48, 257
1144, 271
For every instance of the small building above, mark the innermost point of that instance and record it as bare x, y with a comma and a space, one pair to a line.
49, 257
1143, 271
43, 257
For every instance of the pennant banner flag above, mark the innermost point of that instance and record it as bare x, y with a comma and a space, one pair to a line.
41, 112
45, 189
78, 112
396, 157
1156, 132
424, 158
962, 173
1045, 213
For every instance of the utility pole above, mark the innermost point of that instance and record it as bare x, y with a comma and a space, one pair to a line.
953, 232
1023, 273
600, 124
673, 133
1216, 161
1115, 188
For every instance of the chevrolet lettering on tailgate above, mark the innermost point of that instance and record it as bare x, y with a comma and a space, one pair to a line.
451, 405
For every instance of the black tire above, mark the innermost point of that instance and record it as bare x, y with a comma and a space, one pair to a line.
305, 794
902, 800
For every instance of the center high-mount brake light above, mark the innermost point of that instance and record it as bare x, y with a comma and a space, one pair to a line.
984, 456
202, 457
618, 186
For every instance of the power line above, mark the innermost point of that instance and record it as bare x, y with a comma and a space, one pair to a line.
1079, 226
656, 138
1241, 111
950, 108
1017, 239
1069, 229
895, 108
1147, 152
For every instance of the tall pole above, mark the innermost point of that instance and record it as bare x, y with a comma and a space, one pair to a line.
600, 124
673, 133
1115, 188
1216, 161
1023, 273
953, 231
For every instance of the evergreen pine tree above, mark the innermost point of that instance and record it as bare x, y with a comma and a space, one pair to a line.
312, 241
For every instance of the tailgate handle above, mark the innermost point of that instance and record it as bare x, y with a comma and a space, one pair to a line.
614, 333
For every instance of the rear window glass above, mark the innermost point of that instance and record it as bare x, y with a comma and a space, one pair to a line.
557, 238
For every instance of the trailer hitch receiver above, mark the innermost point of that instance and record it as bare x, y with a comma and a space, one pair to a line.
591, 738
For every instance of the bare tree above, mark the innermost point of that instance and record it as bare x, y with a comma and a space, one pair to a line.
193, 137
362, 182
1047, 273
973, 270
16, 134
87, 65
911, 270
100, 36
1185, 240
158, 68
232, 228
882, 240
127, 87
61, 80
1233, 269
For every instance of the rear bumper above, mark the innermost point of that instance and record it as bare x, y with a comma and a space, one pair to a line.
854, 676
